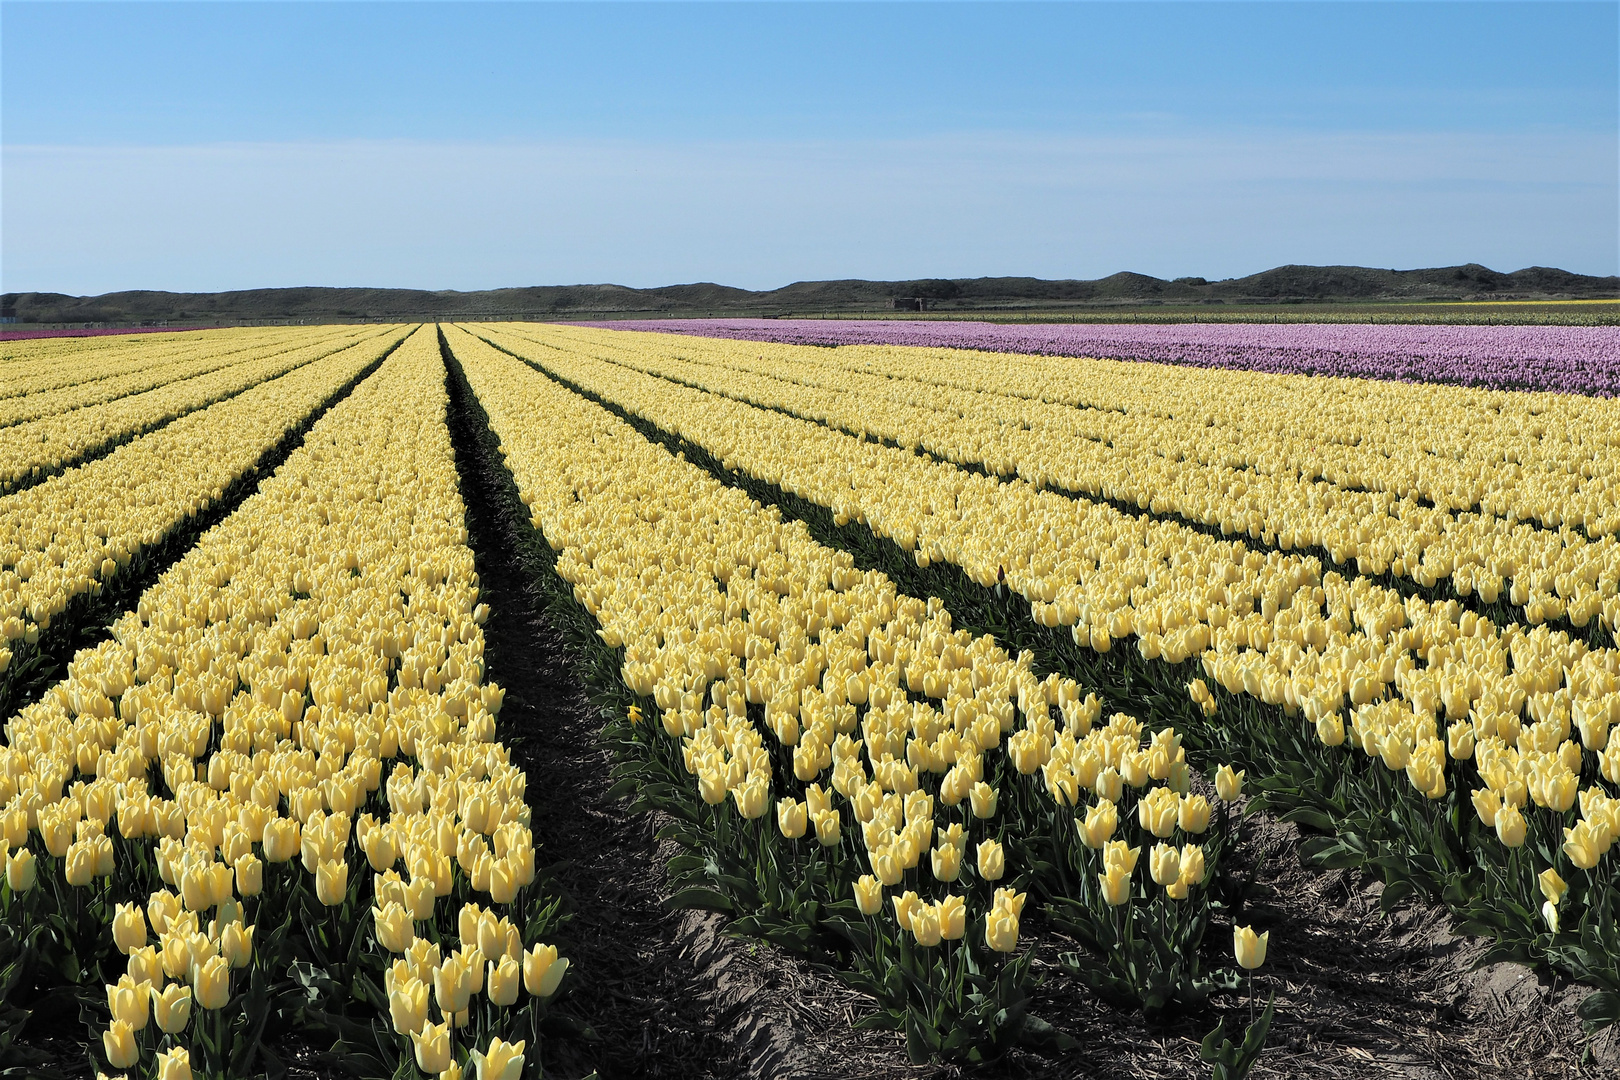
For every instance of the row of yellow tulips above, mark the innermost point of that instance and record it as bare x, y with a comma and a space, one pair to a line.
32, 365
118, 373
39, 447
1444, 444
316, 656
1285, 485
66, 536
1420, 684
889, 731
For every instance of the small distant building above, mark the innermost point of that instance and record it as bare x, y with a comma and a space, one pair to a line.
908, 303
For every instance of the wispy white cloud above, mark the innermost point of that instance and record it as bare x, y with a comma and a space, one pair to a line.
761, 213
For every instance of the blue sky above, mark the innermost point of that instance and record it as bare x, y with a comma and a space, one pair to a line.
467, 145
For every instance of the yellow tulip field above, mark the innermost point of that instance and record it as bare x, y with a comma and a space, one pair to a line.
915, 654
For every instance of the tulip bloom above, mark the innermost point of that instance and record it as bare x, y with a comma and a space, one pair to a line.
503, 1061
408, 1005
119, 1043
236, 944
127, 1000
21, 871
1249, 947
502, 981
543, 970
81, 863
828, 827
394, 929
171, 1007
1164, 863
1552, 885
1101, 821
992, 860
432, 1047
952, 918
869, 895
281, 840
1116, 885
174, 1064
906, 906
925, 925
1510, 826
212, 983
331, 882
983, 799
129, 927
1001, 931
1193, 814
946, 862
1228, 784
792, 818
249, 875
451, 987
1585, 844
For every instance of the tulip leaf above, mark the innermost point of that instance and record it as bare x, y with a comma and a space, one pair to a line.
1600, 1009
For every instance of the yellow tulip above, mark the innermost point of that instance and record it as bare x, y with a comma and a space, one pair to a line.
129, 927
1109, 786
868, 895
21, 872
393, 926
331, 882
925, 926
1486, 804
752, 799
1193, 814
992, 860
1229, 784
81, 863
212, 983
828, 829
543, 970
249, 875
127, 1001
1101, 821
792, 818
1158, 811
906, 906
171, 1007
282, 838
983, 799
1116, 885
236, 944
952, 918
1001, 931
1249, 947
1164, 863
1552, 886
119, 1043
503, 980
1510, 826
946, 861
144, 965
174, 1064
1584, 844
408, 1005
502, 1061
432, 1047
451, 986
1192, 865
